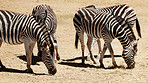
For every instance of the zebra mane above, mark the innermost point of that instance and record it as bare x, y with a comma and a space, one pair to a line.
120, 20
91, 6
115, 6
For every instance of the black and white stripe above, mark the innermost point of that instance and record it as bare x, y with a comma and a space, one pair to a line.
45, 15
104, 25
124, 14
19, 28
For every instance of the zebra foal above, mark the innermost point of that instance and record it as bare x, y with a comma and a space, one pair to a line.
106, 26
45, 15
19, 28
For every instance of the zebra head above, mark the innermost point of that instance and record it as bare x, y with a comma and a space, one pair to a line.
129, 53
47, 50
40, 13
44, 14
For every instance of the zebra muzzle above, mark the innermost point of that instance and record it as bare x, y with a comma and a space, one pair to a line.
52, 71
132, 65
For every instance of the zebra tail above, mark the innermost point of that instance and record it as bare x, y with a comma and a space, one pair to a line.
138, 28
76, 40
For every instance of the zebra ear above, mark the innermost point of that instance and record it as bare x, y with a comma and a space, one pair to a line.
33, 12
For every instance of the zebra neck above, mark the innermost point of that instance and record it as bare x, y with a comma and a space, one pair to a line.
30, 27
41, 34
125, 42
126, 38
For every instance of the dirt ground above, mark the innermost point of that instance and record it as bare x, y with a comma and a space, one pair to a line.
70, 69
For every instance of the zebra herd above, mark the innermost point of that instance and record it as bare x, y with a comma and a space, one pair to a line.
107, 23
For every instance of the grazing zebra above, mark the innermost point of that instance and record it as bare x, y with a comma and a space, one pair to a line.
104, 25
19, 28
125, 15
45, 15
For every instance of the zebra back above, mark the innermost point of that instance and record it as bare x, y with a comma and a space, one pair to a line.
124, 14
124, 11
15, 27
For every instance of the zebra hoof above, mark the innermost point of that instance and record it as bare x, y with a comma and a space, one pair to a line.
102, 66
115, 65
29, 70
83, 61
94, 62
88, 58
58, 57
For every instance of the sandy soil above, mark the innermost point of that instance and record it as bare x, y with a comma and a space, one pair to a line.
70, 69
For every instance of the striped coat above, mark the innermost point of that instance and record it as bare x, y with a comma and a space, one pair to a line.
104, 25
19, 28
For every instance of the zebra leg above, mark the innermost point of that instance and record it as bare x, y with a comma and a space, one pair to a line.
39, 51
29, 45
102, 56
112, 53
82, 45
1, 42
56, 45
92, 45
89, 43
99, 47
2, 67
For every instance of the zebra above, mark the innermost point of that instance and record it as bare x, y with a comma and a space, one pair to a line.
45, 15
18, 28
104, 25
124, 14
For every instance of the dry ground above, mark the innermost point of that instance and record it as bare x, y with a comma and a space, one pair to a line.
73, 71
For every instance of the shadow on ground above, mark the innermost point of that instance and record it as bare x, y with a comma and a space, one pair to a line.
77, 64
35, 59
18, 71
79, 58
70, 62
